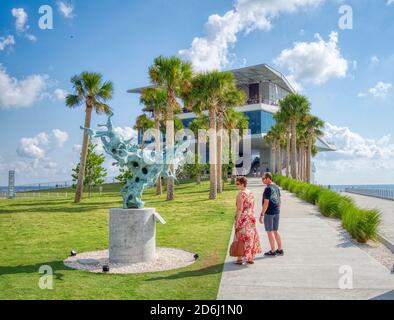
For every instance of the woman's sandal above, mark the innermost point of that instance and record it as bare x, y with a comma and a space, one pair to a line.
250, 262
240, 263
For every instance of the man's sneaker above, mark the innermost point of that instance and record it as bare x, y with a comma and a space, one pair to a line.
280, 252
270, 254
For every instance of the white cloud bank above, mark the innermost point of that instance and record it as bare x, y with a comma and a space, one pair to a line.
380, 90
23, 93
358, 160
314, 62
38, 146
212, 51
16, 93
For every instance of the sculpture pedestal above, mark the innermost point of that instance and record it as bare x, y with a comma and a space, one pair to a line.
132, 235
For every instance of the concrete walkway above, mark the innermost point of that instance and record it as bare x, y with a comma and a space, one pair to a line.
314, 253
386, 207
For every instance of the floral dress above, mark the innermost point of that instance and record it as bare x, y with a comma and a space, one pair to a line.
245, 227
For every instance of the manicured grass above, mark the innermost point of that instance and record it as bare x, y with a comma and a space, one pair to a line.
361, 224
36, 232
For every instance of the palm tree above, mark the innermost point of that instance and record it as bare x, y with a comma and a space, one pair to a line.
207, 91
90, 90
201, 123
172, 75
275, 138
155, 100
234, 121
292, 108
231, 97
314, 127
142, 124
270, 139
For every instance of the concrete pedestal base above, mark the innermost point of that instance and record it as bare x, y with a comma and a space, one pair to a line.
132, 235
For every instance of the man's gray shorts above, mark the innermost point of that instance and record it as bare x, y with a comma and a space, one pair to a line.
271, 222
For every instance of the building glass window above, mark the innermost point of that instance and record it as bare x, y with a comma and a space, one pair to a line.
260, 121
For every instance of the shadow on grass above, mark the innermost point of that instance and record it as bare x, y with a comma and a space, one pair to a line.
214, 269
45, 209
34, 268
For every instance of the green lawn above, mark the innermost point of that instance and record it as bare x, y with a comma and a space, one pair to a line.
36, 232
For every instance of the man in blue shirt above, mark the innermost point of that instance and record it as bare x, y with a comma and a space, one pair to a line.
270, 215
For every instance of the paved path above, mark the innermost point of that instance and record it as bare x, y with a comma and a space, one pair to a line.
315, 251
386, 207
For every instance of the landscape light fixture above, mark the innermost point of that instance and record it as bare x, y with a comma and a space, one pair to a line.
196, 256
73, 253
105, 268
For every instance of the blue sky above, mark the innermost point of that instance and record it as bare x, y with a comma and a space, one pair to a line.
347, 74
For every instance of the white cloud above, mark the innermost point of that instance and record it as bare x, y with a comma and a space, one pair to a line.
314, 62
21, 18
381, 89
67, 9
361, 95
33, 147
126, 133
60, 94
60, 136
38, 146
390, 2
212, 51
31, 37
16, 93
375, 60
355, 158
21, 26
7, 41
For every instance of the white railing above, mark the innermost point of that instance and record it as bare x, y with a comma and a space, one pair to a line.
377, 193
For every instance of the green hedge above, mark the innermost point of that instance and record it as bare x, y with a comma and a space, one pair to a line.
361, 224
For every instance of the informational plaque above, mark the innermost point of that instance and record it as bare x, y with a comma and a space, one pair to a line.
11, 184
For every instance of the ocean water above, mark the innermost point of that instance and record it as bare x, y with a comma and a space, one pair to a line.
371, 186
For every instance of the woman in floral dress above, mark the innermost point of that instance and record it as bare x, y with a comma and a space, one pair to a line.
245, 223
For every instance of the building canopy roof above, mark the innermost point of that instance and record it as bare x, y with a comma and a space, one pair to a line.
249, 75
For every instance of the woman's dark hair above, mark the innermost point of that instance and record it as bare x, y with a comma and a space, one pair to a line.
243, 181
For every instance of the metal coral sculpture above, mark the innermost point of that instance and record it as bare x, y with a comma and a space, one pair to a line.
146, 165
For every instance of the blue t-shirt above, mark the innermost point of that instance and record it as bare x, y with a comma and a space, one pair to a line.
272, 193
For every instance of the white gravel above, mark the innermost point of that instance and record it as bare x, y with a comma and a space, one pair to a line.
166, 259
376, 250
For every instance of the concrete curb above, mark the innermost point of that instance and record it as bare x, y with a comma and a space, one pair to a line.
386, 242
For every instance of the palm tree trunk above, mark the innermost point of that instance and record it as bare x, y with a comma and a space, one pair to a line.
84, 153
309, 160
159, 187
170, 141
293, 156
273, 151
220, 152
212, 154
288, 154
301, 162
278, 160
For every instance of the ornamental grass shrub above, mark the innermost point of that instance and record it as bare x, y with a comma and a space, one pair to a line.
362, 224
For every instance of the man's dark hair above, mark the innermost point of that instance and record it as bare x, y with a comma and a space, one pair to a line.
267, 175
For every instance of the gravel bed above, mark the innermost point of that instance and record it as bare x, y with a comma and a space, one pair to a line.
166, 259
377, 250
